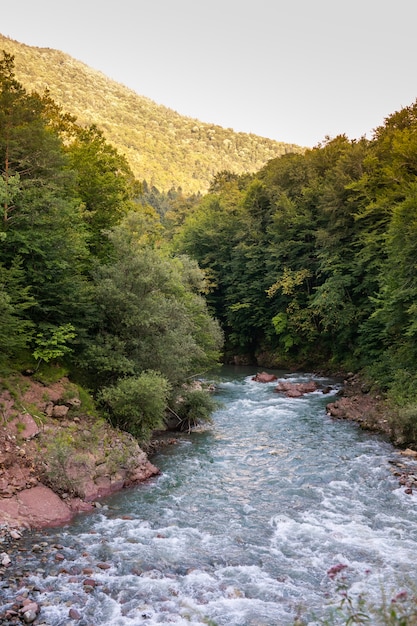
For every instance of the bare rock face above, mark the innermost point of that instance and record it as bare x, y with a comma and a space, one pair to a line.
37, 507
356, 403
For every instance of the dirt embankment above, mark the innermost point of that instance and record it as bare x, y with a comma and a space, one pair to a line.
55, 459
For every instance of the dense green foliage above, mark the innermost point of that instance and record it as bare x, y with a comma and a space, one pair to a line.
138, 403
84, 278
313, 259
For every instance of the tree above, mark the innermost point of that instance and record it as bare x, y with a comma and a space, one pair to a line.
15, 300
42, 219
152, 315
105, 184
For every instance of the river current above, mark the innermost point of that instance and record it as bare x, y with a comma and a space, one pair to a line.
242, 526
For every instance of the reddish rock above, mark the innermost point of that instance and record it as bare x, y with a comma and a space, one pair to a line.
29, 605
60, 411
74, 614
80, 506
367, 409
264, 377
37, 507
29, 611
24, 425
296, 390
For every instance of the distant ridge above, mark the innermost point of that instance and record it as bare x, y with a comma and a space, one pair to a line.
163, 147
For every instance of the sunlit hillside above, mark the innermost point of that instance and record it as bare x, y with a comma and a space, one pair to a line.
163, 147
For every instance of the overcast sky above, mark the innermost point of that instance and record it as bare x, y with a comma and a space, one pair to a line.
291, 70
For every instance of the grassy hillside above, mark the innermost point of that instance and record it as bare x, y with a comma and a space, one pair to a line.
163, 147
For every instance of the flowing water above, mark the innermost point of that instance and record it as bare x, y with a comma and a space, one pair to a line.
242, 525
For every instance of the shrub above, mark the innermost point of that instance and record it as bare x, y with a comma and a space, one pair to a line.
402, 394
59, 450
404, 424
195, 406
137, 404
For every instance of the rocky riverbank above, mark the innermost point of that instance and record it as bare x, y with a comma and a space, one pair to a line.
56, 459
371, 411
359, 403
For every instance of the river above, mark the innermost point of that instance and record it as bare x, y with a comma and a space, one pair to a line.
240, 528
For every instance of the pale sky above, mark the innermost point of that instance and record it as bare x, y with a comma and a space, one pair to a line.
291, 70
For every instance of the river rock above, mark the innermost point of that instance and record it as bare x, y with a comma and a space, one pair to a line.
74, 614
89, 582
29, 611
29, 616
264, 377
296, 390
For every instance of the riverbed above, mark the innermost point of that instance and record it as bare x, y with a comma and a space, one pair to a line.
246, 525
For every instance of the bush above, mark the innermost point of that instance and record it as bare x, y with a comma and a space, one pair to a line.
137, 404
404, 425
194, 407
403, 388
402, 394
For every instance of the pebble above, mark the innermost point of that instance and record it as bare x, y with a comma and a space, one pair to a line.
15, 534
29, 616
74, 614
37, 548
29, 605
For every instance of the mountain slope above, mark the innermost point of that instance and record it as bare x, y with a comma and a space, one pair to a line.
163, 147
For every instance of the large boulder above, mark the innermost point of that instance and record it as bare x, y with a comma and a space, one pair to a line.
37, 507
264, 377
296, 390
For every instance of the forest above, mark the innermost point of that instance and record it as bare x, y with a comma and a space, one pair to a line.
310, 262
167, 149
86, 280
